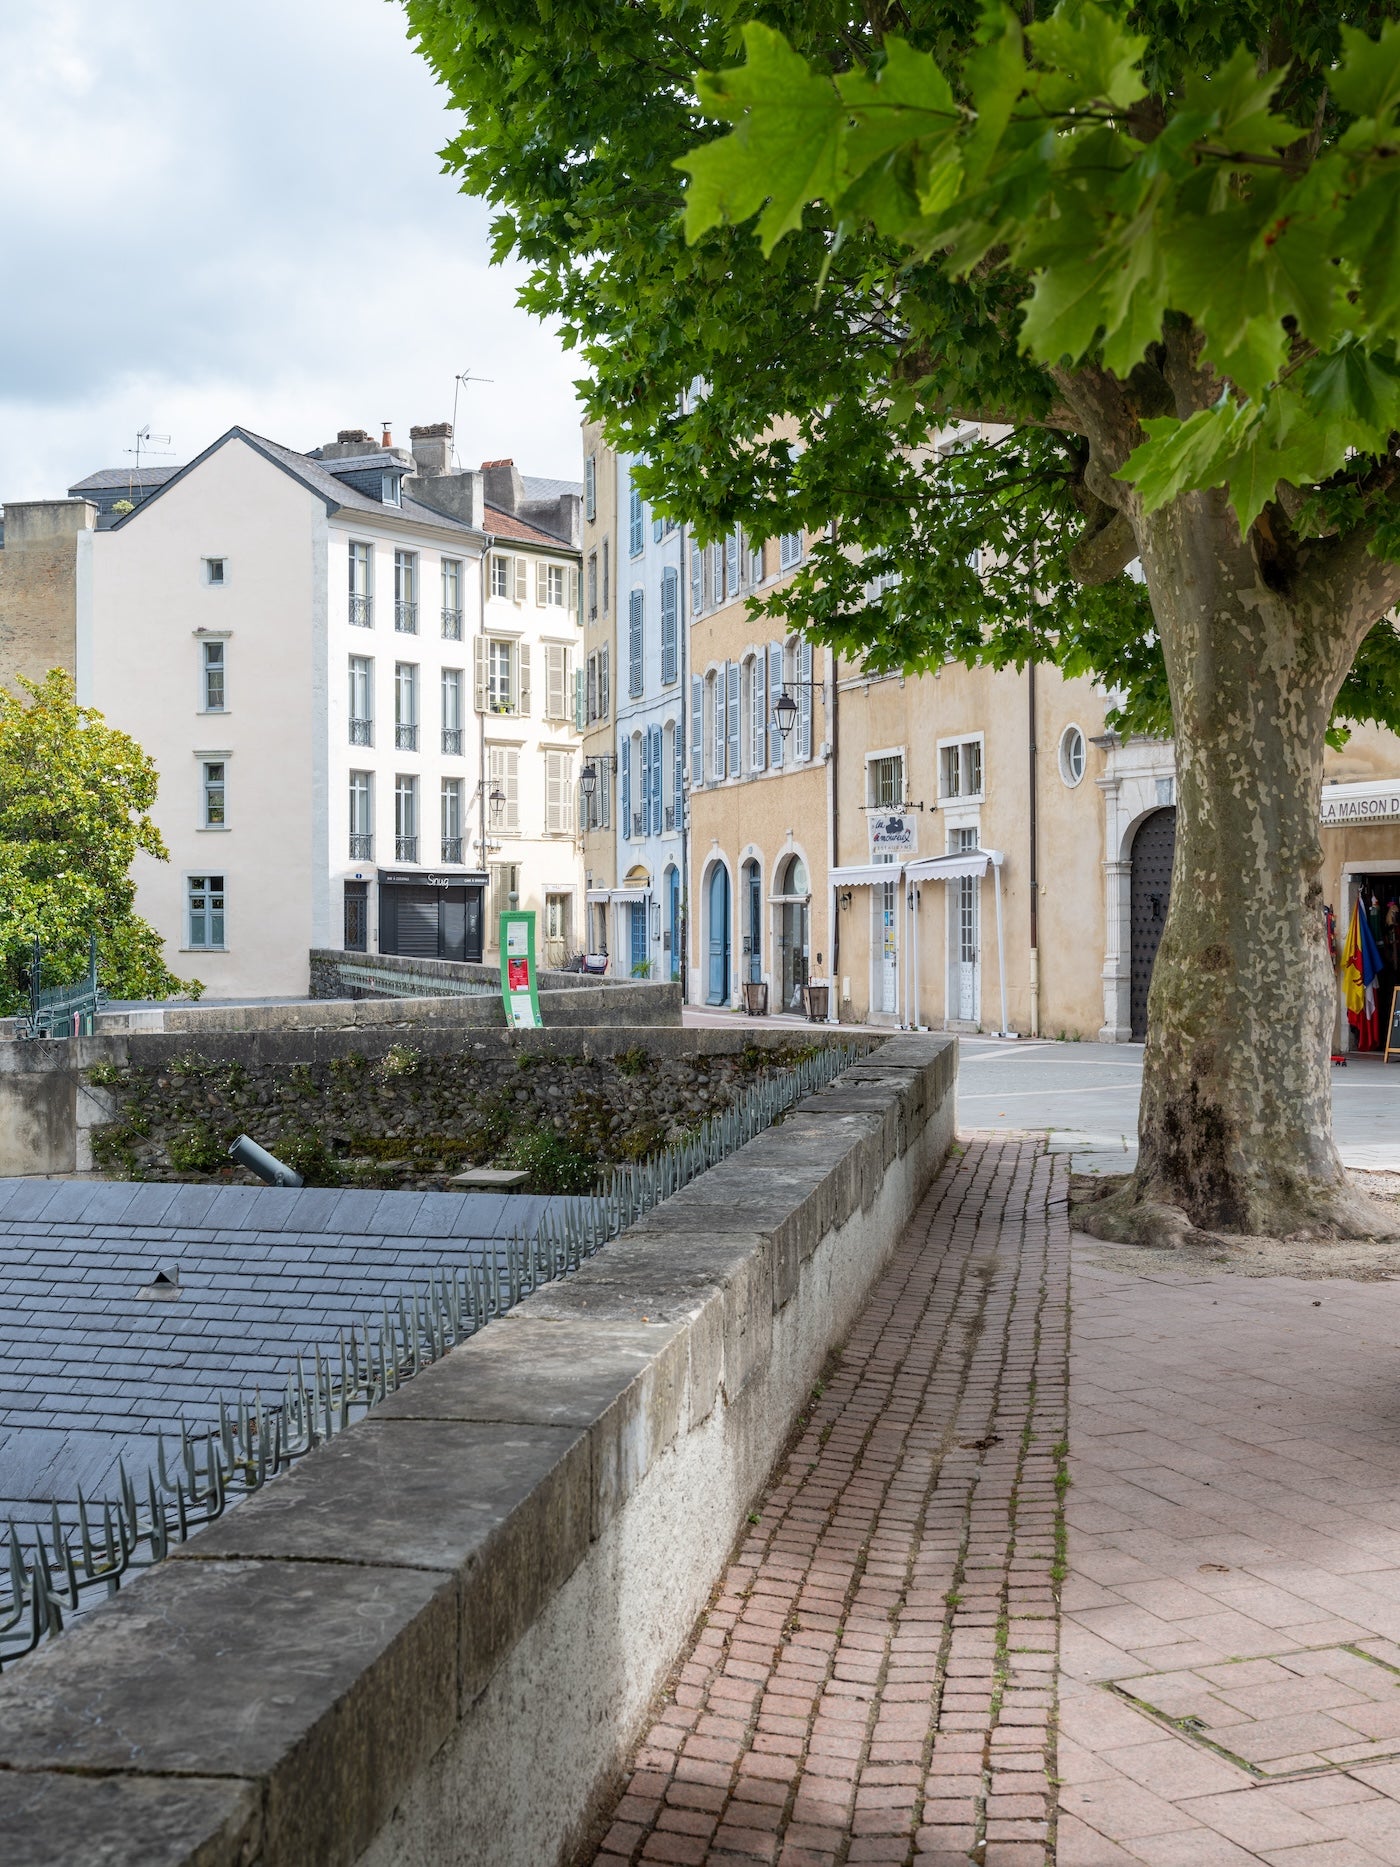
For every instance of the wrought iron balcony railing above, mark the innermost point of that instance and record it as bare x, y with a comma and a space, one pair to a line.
362, 612
451, 625
452, 739
406, 848
670, 816
361, 846
406, 618
362, 732
452, 849
638, 823
406, 738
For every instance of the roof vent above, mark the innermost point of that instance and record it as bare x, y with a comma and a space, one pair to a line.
164, 1287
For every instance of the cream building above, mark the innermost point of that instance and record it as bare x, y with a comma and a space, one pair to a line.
354, 669
762, 803
597, 800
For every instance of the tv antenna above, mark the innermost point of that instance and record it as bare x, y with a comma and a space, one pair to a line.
461, 381
149, 444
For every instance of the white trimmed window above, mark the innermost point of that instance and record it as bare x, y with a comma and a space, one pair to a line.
960, 768
502, 675
216, 572
204, 911
212, 789
789, 550
213, 693
884, 779
361, 586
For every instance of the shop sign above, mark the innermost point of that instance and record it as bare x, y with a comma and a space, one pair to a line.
893, 835
1345, 806
428, 878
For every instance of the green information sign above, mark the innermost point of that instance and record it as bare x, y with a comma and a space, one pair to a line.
518, 988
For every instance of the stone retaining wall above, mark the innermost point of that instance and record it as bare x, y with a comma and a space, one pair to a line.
435, 1639
327, 961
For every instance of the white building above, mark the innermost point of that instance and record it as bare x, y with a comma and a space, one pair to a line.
354, 669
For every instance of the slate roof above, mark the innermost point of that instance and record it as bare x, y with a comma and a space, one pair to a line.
90, 1371
536, 489
108, 477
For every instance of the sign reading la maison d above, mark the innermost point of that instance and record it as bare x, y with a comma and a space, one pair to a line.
1354, 805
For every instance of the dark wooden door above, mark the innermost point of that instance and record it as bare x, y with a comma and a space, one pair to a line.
1153, 848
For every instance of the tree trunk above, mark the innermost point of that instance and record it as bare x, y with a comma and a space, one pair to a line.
1235, 1127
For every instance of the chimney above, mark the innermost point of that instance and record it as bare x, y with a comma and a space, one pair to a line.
504, 487
431, 448
388, 440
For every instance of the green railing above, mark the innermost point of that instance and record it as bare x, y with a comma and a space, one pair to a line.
62, 1010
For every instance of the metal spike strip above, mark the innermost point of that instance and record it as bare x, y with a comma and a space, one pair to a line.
252, 1441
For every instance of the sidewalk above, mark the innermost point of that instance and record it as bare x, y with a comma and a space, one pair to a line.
876, 1679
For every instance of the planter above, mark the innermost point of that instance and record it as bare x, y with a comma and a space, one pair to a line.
756, 997
815, 999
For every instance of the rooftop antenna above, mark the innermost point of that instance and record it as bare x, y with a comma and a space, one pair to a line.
150, 445
459, 383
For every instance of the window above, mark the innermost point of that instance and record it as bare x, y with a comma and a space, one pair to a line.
885, 779
357, 917
697, 730
213, 695
670, 627
604, 682
960, 769
212, 793
205, 904
405, 818
670, 776
731, 565
697, 579
557, 682
361, 701
361, 816
361, 587
558, 794
798, 676
390, 488
452, 819
755, 563
718, 733
789, 550
590, 488
596, 811
606, 584
406, 592
216, 571
452, 599
406, 706
503, 767
556, 588
592, 586
502, 575
756, 712
1071, 755
635, 642
502, 675
636, 522
452, 711
882, 581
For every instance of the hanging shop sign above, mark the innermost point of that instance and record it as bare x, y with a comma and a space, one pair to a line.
519, 990
893, 834
1345, 805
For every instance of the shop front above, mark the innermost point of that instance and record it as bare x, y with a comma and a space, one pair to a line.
1361, 883
432, 914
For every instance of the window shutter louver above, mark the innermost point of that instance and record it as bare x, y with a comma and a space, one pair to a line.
481, 679
604, 682
721, 687
634, 643
644, 752
580, 701
657, 782
804, 700
733, 673
731, 564
575, 590
670, 592
775, 687
678, 774
697, 730
696, 598
760, 712
554, 680
523, 654
625, 800
522, 576
541, 583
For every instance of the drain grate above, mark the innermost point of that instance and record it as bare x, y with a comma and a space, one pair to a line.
1319, 1708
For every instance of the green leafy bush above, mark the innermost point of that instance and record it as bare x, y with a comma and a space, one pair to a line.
554, 1162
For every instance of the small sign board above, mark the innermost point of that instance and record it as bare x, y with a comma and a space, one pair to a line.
893, 835
1392, 1030
519, 988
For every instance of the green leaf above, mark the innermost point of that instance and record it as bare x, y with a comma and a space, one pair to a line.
1180, 456
1088, 46
909, 99
995, 75
1367, 82
1370, 234
1235, 102
785, 152
1357, 388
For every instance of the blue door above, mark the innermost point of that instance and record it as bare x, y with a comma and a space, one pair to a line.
673, 918
639, 938
718, 993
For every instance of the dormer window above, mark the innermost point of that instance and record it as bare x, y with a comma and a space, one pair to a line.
389, 488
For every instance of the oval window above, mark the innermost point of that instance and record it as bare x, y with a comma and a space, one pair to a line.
1072, 755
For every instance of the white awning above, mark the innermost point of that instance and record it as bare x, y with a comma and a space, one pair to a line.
865, 874
954, 867
629, 894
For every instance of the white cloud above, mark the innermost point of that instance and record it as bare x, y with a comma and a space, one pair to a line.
237, 215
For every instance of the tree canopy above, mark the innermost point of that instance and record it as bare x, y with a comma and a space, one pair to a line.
75, 798
1093, 174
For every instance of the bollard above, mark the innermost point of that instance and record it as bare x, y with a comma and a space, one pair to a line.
245, 1152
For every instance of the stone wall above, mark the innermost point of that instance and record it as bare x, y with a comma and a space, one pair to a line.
327, 962
436, 1638
38, 586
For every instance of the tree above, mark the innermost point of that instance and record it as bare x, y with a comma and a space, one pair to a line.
74, 801
1162, 260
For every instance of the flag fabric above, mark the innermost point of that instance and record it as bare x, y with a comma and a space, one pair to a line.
1361, 966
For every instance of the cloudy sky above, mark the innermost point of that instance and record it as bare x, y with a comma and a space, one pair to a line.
220, 214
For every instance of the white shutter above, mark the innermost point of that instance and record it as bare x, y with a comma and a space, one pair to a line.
604, 682
522, 578
574, 589
775, 687
804, 700
734, 672
553, 804
697, 730
719, 682
580, 702
541, 583
554, 680
481, 677
512, 788
523, 663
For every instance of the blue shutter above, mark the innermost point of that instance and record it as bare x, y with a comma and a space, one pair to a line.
656, 531
721, 723
626, 785
635, 537
657, 782
697, 730
775, 687
760, 704
678, 775
804, 700
670, 594
731, 564
735, 676
696, 562
634, 643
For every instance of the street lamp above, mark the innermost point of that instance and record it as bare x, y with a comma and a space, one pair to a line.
785, 713
588, 781
498, 804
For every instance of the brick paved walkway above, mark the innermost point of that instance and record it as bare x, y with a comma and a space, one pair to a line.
875, 1679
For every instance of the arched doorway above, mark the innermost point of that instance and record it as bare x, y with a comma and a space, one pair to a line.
1154, 845
717, 933
794, 932
752, 898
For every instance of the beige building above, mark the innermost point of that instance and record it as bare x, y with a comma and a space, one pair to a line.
39, 585
594, 703
761, 786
